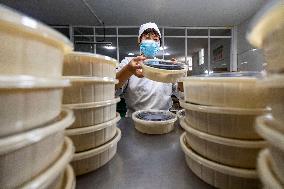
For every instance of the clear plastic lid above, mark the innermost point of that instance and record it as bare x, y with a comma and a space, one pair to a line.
154, 116
164, 64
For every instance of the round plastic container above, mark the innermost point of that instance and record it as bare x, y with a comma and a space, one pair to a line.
89, 89
91, 137
59, 175
218, 175
162, 75
30, 47
162, 122
27, 102
231, 152
93, 113
89, 64
265, 171
267, 32
23, 156
270, 130
235, 123
91, 160
232, 89
275, 86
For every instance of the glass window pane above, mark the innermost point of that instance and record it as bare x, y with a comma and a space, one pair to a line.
108, 31
83, 47
83, 31
128, 47
64, 31
197, 32
107, 50
128, 31
174, 48
174, 32
194, 47
220, 54
220, 32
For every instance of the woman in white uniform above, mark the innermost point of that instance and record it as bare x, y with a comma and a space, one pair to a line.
141, 93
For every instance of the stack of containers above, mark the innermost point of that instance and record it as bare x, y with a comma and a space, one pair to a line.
92, 98
220, 142
268, 33
33, 150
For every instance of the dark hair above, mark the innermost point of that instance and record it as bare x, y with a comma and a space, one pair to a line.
151, 30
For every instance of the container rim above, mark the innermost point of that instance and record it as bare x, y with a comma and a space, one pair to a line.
83, 79
153, 123
92, 104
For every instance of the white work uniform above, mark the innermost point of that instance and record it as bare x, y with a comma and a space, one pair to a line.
145, 94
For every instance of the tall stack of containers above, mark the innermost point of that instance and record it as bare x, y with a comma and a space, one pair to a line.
33, 150
92, 98
267, 32
220, 142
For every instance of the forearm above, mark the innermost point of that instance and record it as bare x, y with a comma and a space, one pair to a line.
122, 76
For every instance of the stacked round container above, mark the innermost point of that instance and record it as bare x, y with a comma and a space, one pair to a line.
34, 153
92, 98
220, 143
267, 33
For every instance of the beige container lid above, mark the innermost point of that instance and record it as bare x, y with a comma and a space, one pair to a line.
223, 140
265, 170
46, 177
270, 130
153, 123
81, 79
12, 20
86, 57
89, 129
273, 81
30, 82
222, 110
92, 104
14, 142
269, 19
163, 70
100, 149
238, 172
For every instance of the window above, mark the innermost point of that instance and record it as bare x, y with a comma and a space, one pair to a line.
201, 56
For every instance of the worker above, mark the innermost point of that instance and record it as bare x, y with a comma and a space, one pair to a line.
139, 92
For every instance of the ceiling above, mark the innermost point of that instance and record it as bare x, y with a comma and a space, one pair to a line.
136, 12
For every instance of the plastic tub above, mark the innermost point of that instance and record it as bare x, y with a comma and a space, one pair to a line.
275, 86
162, 75
59, 175
89, 89
91, 160
267, 32
271, 131
94, 113
235, 123
24, 156
265, 171
232, 89
231, 152
89, 64
30, 47
218, 175
91, 137
28, 102
154, 126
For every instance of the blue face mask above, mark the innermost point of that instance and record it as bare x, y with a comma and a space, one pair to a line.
149, 48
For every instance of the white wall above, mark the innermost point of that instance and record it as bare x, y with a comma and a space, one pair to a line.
248, 59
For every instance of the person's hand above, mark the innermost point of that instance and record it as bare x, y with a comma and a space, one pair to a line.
134, 66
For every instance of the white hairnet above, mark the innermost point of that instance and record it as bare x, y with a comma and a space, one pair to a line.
148, 25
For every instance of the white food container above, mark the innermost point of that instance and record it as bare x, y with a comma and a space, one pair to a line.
29, 47
89, 64
227, 122
89, 89
154, 127
162, 75
267, 32
231, 152
59, 175
23, 156
93, 113
274, 134
27, 102
218, 175
233, 89
91, 160
93, 136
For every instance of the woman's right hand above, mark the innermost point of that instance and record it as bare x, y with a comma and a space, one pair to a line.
134, 66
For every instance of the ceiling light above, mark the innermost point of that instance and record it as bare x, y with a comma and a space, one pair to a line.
167, 54
161, 48
110, 47
130, 54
